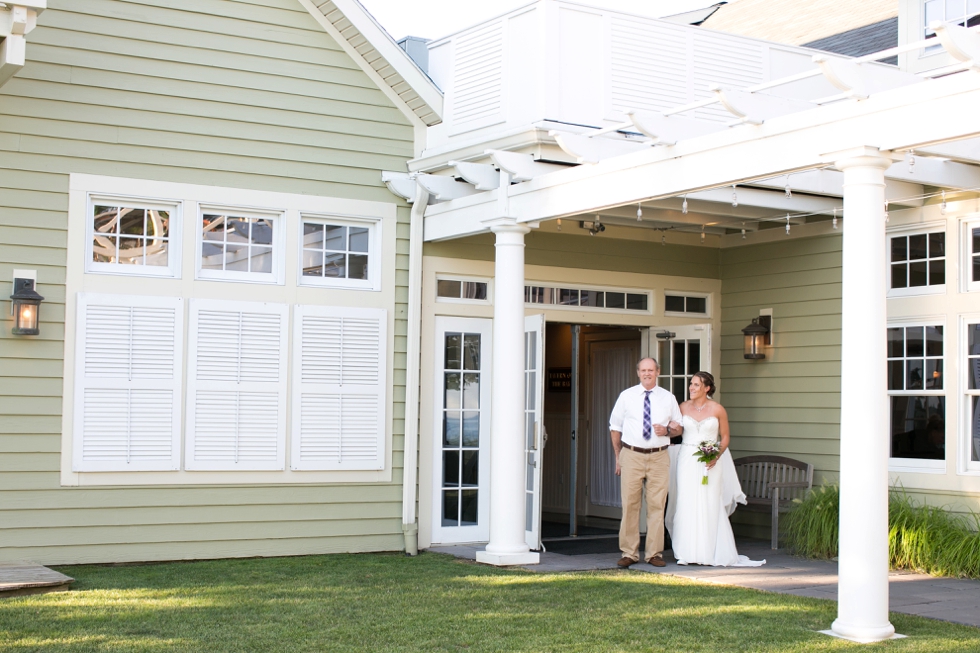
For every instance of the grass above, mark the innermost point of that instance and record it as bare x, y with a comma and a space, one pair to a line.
387, 602
921, 538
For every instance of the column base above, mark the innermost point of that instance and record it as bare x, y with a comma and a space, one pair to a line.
508, 559
861, 634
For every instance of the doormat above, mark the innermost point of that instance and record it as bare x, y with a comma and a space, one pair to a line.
585, 546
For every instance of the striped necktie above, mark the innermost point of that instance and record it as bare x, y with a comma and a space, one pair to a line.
647, 425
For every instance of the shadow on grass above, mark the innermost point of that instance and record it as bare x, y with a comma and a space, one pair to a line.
429, 603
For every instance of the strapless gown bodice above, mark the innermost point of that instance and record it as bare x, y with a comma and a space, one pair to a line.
696, 432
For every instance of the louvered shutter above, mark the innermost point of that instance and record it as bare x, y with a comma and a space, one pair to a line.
339, 381
127, 383
236, 386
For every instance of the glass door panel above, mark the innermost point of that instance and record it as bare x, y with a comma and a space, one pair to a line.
681, 356
533, 426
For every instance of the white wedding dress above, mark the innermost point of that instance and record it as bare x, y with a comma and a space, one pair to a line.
697, 514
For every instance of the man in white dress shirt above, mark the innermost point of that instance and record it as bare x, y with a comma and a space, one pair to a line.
642, 422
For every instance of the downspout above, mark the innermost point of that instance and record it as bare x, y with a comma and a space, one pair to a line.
410, 526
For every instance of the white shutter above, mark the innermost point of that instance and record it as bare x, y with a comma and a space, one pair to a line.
236, 386
339, 381
127, 383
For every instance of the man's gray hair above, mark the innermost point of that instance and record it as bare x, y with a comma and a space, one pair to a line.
648, 358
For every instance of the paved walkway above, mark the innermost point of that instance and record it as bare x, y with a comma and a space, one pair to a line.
948, 599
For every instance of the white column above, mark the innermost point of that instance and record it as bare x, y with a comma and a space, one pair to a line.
862, 590
507, 545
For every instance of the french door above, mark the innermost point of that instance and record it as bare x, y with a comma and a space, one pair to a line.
461, 498
533, 426
686, 351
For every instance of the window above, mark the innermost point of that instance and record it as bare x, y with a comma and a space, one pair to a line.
339, 253
239, 246
918, 263
685, 304
916, 391
132, 237
617, 300
236, 386
958, 12
338, 388
971, 267
127, 383
972, 391
463, 290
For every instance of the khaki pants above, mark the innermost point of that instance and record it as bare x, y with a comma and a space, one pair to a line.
654, 468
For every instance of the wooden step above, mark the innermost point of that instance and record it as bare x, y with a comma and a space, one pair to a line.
20, 578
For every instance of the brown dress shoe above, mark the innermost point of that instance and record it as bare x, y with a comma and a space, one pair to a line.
657, 562
625, 562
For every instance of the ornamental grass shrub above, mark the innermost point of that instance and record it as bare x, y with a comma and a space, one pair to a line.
922, 538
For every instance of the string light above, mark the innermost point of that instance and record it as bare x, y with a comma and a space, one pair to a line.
684, 206
663, 238
743, 231
734, 196
942, 207
559, 224
789, 192
911, 162
639, 212
835, 218
787, 224
702, 234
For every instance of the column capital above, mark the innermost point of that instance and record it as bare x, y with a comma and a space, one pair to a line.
506, 225
865, 156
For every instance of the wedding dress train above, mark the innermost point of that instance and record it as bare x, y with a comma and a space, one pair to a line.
697, 514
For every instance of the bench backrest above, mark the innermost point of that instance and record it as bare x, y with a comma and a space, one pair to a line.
755, 473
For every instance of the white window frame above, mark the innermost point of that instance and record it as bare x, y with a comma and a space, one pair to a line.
924, 26
686, 293
967, 284
373, 225
966, 465
174, 239
278, 218
914, 230
921, 465
463, 279
299, 388
651, 298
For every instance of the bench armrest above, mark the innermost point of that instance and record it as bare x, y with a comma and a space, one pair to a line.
782, 485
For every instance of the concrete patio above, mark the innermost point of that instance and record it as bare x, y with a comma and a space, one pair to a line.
947, 599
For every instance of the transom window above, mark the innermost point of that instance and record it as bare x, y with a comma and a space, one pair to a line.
589, 299
132, 237
918, 261
339, 253
239, 246
678, 303
915, 388
958, 12
972, 265
462, 289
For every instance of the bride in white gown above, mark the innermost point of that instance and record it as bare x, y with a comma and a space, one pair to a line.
697, 514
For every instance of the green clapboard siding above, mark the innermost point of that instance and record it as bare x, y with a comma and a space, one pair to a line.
231, 93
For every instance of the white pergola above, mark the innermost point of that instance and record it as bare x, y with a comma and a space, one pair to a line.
877, 119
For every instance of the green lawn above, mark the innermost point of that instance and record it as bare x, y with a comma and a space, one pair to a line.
387, 602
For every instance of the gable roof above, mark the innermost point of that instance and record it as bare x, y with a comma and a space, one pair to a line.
373, 49
794, 22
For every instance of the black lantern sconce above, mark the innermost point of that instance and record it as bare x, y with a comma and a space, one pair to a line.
25, 304
757, 335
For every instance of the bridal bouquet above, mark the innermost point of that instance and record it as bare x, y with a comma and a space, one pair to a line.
707, 452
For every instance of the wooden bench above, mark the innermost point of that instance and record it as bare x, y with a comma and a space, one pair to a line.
771, 483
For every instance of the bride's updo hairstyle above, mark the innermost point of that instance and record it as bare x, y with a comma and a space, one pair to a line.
708, 381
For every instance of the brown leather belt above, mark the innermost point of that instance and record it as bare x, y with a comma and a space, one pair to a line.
639, 450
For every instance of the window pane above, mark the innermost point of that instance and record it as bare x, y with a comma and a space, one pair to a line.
899, 279
471, 467
453, 391
450, 508
954, 9
130, 250
896, 343
312, 235
937, 245
474, 290
914, 342
448, 288
934, 11
260, 259
335, 237
976, 268
335, 266
917, 247
454, 343
913, 379
568, 297
678, 355
918, 427
937, 272
312, 263
469, 508
976, 240
636, 302
615, 300
471, 391
592, 298
471, 429
674, 303
357, 266
934, 374
471, 352
693, 357
697, 305
450, 428
450, 468
358, 239
975, 429
917, 274
104, 249
899, 249
664, 358
896, 375
973, 337
934, 341
680, 388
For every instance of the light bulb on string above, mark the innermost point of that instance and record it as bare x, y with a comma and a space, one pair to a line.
787, 224
743, 231
702, 234
835, 218
663, 238
942, 207
639, 212
911, 162
559, 224
684, 206
734, 196
789, 192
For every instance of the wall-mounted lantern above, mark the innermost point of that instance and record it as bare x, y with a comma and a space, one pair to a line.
25, 304
755, 340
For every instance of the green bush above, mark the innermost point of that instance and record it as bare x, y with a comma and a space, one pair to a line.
920, 537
